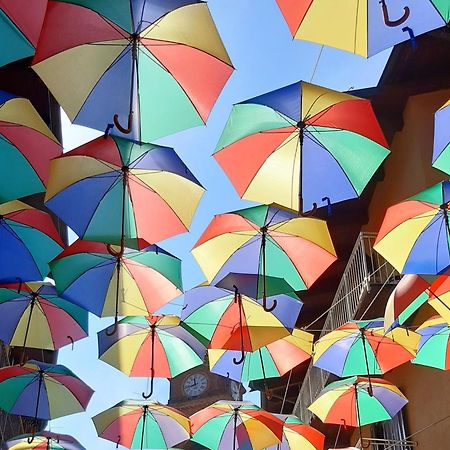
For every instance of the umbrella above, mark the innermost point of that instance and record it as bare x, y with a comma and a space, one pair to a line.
235, 321
441, 147
26, 145
29, 241
20, 25
278, 251
434, 345
300, 145
298, 436
108, 282
439, 296
153, 346
142, 425
159, 66
414, 236
241, 423
363, 27
122, 192
43, 441
33, 315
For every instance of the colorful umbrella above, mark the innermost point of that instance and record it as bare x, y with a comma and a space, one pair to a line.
159, 65
414, 236
300, 145
142, 425
20, 25
278, 251
298, 436
121, 192
29, 240
441, 147
154, 346
26, 144
241, 423
363, 27
43, 441
33, 315
439, 296
434, 345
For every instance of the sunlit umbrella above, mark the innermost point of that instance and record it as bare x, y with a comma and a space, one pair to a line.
441, 147
43, 441
439, 296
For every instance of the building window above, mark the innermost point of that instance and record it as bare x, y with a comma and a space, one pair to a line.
391, 434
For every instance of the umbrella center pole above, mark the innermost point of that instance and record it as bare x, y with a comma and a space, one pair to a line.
144, 418
238, 300
236, 410
33, 298
41, 379
444, 208
363, 337
267, 391
152, 362
263, 257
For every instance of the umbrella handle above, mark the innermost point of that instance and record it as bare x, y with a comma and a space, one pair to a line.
309, 213
394, 23
118, 441
114, 330
266, 308
120, 127
108, 128
147, 396
241, 359
71, 341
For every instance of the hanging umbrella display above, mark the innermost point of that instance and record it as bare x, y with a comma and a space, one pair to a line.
33, 315
441, 147
153, 346
414, 236
434, 345
363, 27
439, 296
300, 145
155, 68
278, 251
298, 436
142, 425
121, 192
43, 441
29, 240
237, 425
26, 145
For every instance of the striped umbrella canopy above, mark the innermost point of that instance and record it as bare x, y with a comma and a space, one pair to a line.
414, 236
152, 67
118, 191
237, 425
33, 315
137, 424
29, 241
300, 145
43, 441
26, 143
363, 27
434, 345
20, 25
441, 146
439, 296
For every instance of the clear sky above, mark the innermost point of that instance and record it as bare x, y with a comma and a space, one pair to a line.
266, 57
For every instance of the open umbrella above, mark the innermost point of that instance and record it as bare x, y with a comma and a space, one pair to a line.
43, 441
142, 425
29, 241
156, 67
439, 296
364, 27
122, 192
300, 145
26, 145
441, 147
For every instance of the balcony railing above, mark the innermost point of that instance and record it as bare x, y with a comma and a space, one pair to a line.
386, 444
364, 269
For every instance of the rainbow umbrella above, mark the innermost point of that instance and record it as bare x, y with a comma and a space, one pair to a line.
156, 67
363, 27
26, 144
121, 192
300, 145
243, 424
20, 25
434, 345
142, 425
441, 147
414, 236
43, 441
271, 250
153, 346
439, 296
298, 436
29, 240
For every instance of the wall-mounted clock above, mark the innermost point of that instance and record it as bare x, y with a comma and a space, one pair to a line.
195, 384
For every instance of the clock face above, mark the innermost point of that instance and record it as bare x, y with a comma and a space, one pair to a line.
235, 390
195, 385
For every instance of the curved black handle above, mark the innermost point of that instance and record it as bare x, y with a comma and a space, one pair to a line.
394, 23
309, 213
266, 308
30, 439
147, 396
118, 441
71, 341
114, 330
241, 359
122, 129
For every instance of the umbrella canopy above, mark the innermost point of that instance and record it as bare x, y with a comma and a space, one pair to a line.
122, 192
439, 296
43, 441
158, 65
298, 145
241, 424
26, 143
33, 315
348, 402
434, 345
142, 425
271, 361
298, 436
414, 236
441, 147
20, 25
29, 241
98, 278
363, 27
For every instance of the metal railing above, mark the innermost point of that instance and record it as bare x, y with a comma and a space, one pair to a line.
382, 444
365, 268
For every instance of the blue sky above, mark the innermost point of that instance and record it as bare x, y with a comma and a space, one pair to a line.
266, 57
